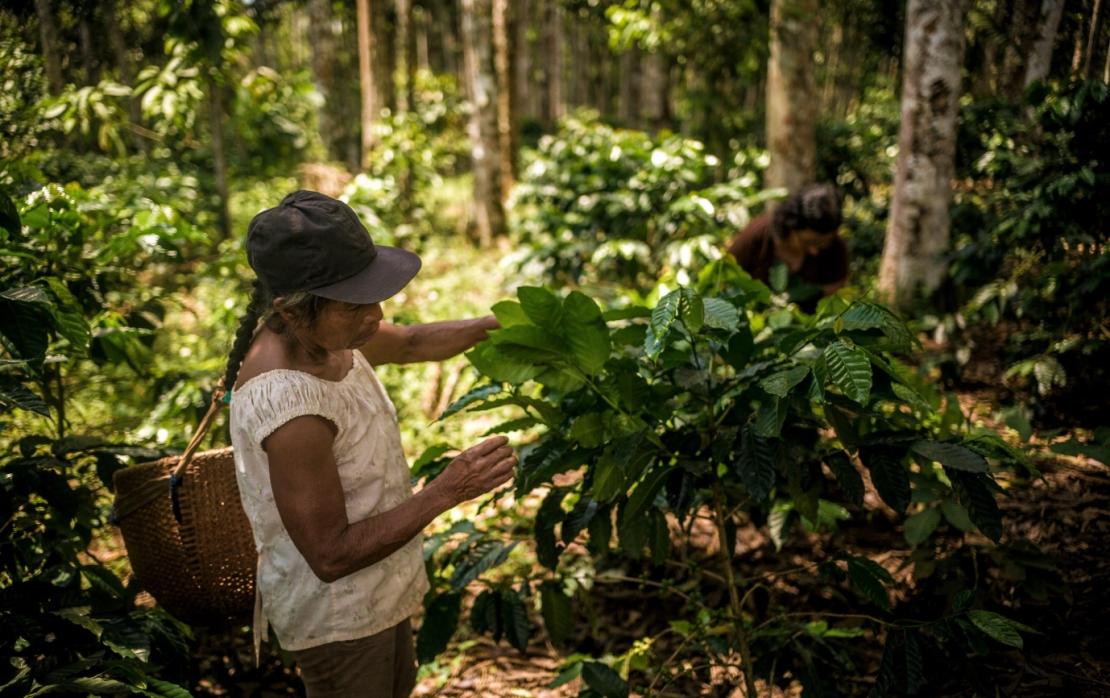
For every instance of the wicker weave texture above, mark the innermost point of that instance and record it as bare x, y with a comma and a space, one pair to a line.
201, 570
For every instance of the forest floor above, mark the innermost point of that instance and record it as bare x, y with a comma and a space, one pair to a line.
1053, 572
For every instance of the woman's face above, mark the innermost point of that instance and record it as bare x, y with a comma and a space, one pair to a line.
343, 325
811, 241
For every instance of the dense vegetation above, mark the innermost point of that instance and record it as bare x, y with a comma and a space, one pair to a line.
782, 498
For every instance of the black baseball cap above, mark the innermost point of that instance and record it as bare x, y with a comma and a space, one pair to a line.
312, 242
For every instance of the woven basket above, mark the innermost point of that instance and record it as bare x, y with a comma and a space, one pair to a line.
186, 534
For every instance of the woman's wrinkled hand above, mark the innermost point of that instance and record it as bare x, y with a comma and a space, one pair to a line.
478, 470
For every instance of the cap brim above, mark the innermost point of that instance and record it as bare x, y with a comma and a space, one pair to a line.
387, 274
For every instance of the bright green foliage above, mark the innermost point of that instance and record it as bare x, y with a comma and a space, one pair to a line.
1032, 261
396, 194
599, 204
721, 401
71, 626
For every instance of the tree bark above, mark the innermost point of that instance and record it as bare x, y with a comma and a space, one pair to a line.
654, 89
917, 232
367, 90
553, 58
219, 155
48, 34
1025, 29
521, 63
405, 55
1090, 62
792, 94
489, 217
506, 125
631, 79
1040, 60
323, 68
113, 26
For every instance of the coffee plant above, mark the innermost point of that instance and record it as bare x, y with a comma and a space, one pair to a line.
716, 403
71, 625
1032, 261
598, 204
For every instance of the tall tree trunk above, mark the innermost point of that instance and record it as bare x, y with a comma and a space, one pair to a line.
52, 57
1024, 30
384, 60
1040, 60
792, 94
523, 50
113, 27
653, 90
323, 69
553, 61
219, 154
420, 38
1090, 61
367, 89
88, 55
917, 232
630, 87
506, 125
405, 54
482, 127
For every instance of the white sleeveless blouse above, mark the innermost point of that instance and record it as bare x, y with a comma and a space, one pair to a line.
303, 610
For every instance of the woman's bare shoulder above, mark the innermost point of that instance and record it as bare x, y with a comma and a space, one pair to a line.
263, 356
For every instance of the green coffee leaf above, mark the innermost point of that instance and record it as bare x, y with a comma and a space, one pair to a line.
480, 392
586, 332
514, 618
589, 430
720, 314
889, 475
499, 366
921, 525
849, 479
69, 317
441, 617
997, 627
542, 307
781, 383
604, 680
951, 455
645, 492
756, 464
870, 578
510, 313
550, 513
557, 613
974, 494
849, 370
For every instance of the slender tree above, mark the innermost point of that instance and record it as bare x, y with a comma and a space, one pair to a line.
366, 79
553, 61
505, 121
322, 39
405, 55
51, 55
917, 232
792, 94
1040, 60
489, 216
1090, 60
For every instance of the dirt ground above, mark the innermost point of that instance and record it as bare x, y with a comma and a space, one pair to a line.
1054, 575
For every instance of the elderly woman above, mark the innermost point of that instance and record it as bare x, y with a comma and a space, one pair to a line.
801, 234
321, 471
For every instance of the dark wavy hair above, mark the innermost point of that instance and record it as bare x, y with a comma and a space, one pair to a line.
815, 207
303, 307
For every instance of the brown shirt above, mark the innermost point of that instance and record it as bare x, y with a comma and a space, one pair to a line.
754, 250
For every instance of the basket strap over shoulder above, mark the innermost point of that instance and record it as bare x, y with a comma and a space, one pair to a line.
128, 503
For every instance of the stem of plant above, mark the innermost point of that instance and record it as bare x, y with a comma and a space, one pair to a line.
734, 595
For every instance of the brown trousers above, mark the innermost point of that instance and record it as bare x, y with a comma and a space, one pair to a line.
378, 666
